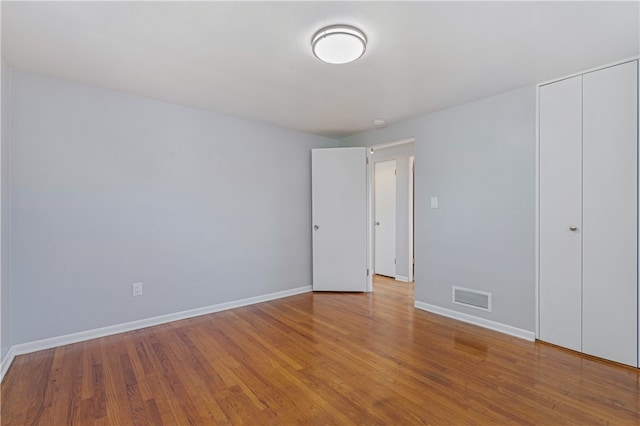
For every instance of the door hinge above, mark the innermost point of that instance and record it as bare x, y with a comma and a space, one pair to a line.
367, 272
394, 261
413, 261
367, 158
395, 172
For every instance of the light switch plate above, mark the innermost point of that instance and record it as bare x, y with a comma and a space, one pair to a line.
434, 202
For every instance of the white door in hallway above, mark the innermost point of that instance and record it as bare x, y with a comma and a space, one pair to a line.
339, 219
385, 218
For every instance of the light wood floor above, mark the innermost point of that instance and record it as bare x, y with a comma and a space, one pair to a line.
318, 358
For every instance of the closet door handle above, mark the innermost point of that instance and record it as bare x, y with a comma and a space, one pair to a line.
573, 228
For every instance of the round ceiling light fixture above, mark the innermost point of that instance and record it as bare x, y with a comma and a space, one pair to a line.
338, 44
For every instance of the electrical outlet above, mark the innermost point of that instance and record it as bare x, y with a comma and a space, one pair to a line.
137, 289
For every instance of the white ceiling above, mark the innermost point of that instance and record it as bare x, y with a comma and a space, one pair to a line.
253, 59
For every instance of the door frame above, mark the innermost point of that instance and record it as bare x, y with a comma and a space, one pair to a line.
370, 206
412, 162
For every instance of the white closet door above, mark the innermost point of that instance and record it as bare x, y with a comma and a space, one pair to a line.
560, 210
610, 167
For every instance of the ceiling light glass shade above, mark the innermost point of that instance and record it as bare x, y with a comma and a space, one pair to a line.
339, 44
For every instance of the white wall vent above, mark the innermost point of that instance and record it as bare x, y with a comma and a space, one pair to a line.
471, 298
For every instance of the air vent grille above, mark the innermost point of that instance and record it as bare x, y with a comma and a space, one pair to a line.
472, 298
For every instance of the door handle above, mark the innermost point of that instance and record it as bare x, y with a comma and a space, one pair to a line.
316, 227
377, 223
573, 228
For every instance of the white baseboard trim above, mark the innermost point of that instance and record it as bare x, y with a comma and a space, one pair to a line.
401, 278
81, 336
6, 362
481, 322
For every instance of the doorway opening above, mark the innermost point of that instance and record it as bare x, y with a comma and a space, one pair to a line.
390, 238
384, 216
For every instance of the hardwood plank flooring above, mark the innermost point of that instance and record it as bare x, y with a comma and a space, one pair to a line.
323, 358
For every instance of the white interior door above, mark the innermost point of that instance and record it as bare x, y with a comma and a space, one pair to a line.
385, 218
610, 153
339, 216
560, 297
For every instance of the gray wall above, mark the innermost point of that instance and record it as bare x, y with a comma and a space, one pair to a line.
110, 189
479, 159
5, 290
401, 154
